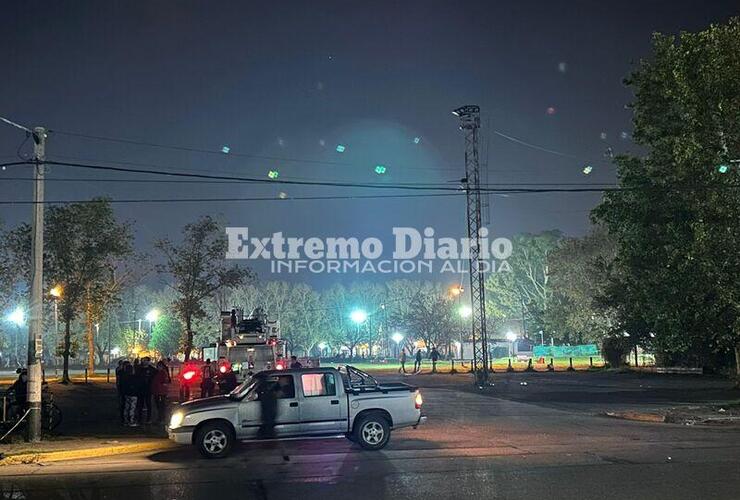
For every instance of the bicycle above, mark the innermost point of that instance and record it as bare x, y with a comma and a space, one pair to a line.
14, 417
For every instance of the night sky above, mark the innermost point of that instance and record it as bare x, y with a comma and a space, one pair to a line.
292, 80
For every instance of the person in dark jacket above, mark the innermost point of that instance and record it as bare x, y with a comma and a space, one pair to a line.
130, 391
434, 356
20, 389
294, 363
119, 390
271, 392
206, 382
160, 383
417, 363
402, 359
226, 380
145, 373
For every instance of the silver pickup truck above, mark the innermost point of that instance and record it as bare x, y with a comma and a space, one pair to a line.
311, 402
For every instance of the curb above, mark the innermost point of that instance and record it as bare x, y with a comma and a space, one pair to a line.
100, 451
637, 417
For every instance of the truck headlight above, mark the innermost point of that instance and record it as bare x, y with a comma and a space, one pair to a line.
176, 419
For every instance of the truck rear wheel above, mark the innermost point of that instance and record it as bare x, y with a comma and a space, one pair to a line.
372, 431
214, 440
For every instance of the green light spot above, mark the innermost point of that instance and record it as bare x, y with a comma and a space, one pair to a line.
379, 169
723, 169
273, 174
340, 148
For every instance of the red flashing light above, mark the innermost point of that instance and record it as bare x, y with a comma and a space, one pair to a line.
188, 375
418, 401
222, 369
279, 366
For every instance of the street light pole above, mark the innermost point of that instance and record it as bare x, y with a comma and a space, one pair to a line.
36, 322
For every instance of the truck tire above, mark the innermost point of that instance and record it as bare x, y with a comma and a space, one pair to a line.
372, 431
215, 440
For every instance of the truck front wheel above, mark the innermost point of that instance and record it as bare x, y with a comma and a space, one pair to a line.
372, 431
214, 440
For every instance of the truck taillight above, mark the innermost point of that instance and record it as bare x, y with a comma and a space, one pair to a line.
188, 375
418, 401
279, 366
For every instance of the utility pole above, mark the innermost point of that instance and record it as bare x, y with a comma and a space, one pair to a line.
36, 321
470, 123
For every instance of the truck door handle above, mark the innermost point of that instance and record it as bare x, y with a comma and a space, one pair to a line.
293, 404
335, 401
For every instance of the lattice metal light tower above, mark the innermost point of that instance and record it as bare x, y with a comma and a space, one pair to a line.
470, 123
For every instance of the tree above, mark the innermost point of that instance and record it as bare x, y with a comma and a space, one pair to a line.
525, 291
166, 335
579, 268
339, 302
307, 319
198, 268
430, 316
82, 243
675, 218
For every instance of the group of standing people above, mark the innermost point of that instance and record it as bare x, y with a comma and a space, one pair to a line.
139, 384
433, 355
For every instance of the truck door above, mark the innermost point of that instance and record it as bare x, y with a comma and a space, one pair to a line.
287, 422
288, 411
323, 409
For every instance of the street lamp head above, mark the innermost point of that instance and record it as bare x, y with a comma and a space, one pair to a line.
358, 316
397, 337
510, 336
322, 345
17, 316
152, 316
465, 311
56, 291
456, 290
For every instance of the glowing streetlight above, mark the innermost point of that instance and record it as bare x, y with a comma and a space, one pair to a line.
322, 345
510, 336
358, 316
465, 311
17, 317
56, 291
152, 316
397, 337
455, 290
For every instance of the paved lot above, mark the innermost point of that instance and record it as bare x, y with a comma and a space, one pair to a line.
476, 445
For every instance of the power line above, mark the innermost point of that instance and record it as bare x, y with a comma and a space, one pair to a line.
16, 125
191, 149
541, 148
221, 153
255, 180
178, 181
231, 200
420, 187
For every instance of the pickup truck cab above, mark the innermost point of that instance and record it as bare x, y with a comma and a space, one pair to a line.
311, 402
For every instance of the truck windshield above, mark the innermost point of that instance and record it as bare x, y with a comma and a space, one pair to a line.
243, 389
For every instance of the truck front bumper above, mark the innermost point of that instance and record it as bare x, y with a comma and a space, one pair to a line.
181, 435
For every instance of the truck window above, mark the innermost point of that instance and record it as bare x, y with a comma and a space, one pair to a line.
287, 388
318, 384
285, 383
